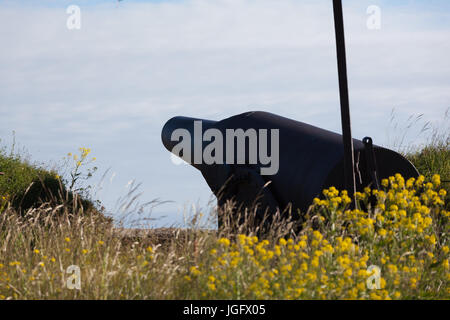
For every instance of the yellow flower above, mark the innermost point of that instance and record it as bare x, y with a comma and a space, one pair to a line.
36, 251
420, 180
374, 296
243, 239
315, 262
211, 286
67, 239
234, 262
413, 283
195, 271
348, 272
299, 291
100, 242
392, 268
224, 241
436, 180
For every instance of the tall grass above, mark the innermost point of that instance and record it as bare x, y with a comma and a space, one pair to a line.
426, 144
405, 234
433, 157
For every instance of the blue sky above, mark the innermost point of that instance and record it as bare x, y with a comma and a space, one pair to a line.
112, 84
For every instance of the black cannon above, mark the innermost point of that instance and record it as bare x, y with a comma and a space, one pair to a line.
259, 158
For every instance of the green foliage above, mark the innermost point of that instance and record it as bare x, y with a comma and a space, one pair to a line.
26, 184
434, 159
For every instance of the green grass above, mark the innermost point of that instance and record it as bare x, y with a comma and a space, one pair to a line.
434, 158
26, 184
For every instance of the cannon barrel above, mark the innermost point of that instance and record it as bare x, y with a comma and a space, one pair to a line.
309, 159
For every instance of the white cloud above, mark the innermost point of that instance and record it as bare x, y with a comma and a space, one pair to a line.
130, 68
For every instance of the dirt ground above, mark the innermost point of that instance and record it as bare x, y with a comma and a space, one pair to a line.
157, 235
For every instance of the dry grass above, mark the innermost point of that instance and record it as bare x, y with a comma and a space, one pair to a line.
405, 234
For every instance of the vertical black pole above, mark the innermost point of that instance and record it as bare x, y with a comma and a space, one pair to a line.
349, 161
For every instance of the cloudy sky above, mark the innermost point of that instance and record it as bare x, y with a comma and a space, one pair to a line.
112, 84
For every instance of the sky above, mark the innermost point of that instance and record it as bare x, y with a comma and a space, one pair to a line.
112, 84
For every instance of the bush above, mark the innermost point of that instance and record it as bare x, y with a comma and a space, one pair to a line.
27, 185
434, 159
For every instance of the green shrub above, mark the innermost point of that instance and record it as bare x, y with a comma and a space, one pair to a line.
27, 185
434, 159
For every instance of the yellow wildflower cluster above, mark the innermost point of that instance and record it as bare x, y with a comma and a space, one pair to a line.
84, 152
402, 229
80, 170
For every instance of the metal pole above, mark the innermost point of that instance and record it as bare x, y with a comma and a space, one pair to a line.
349, 161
